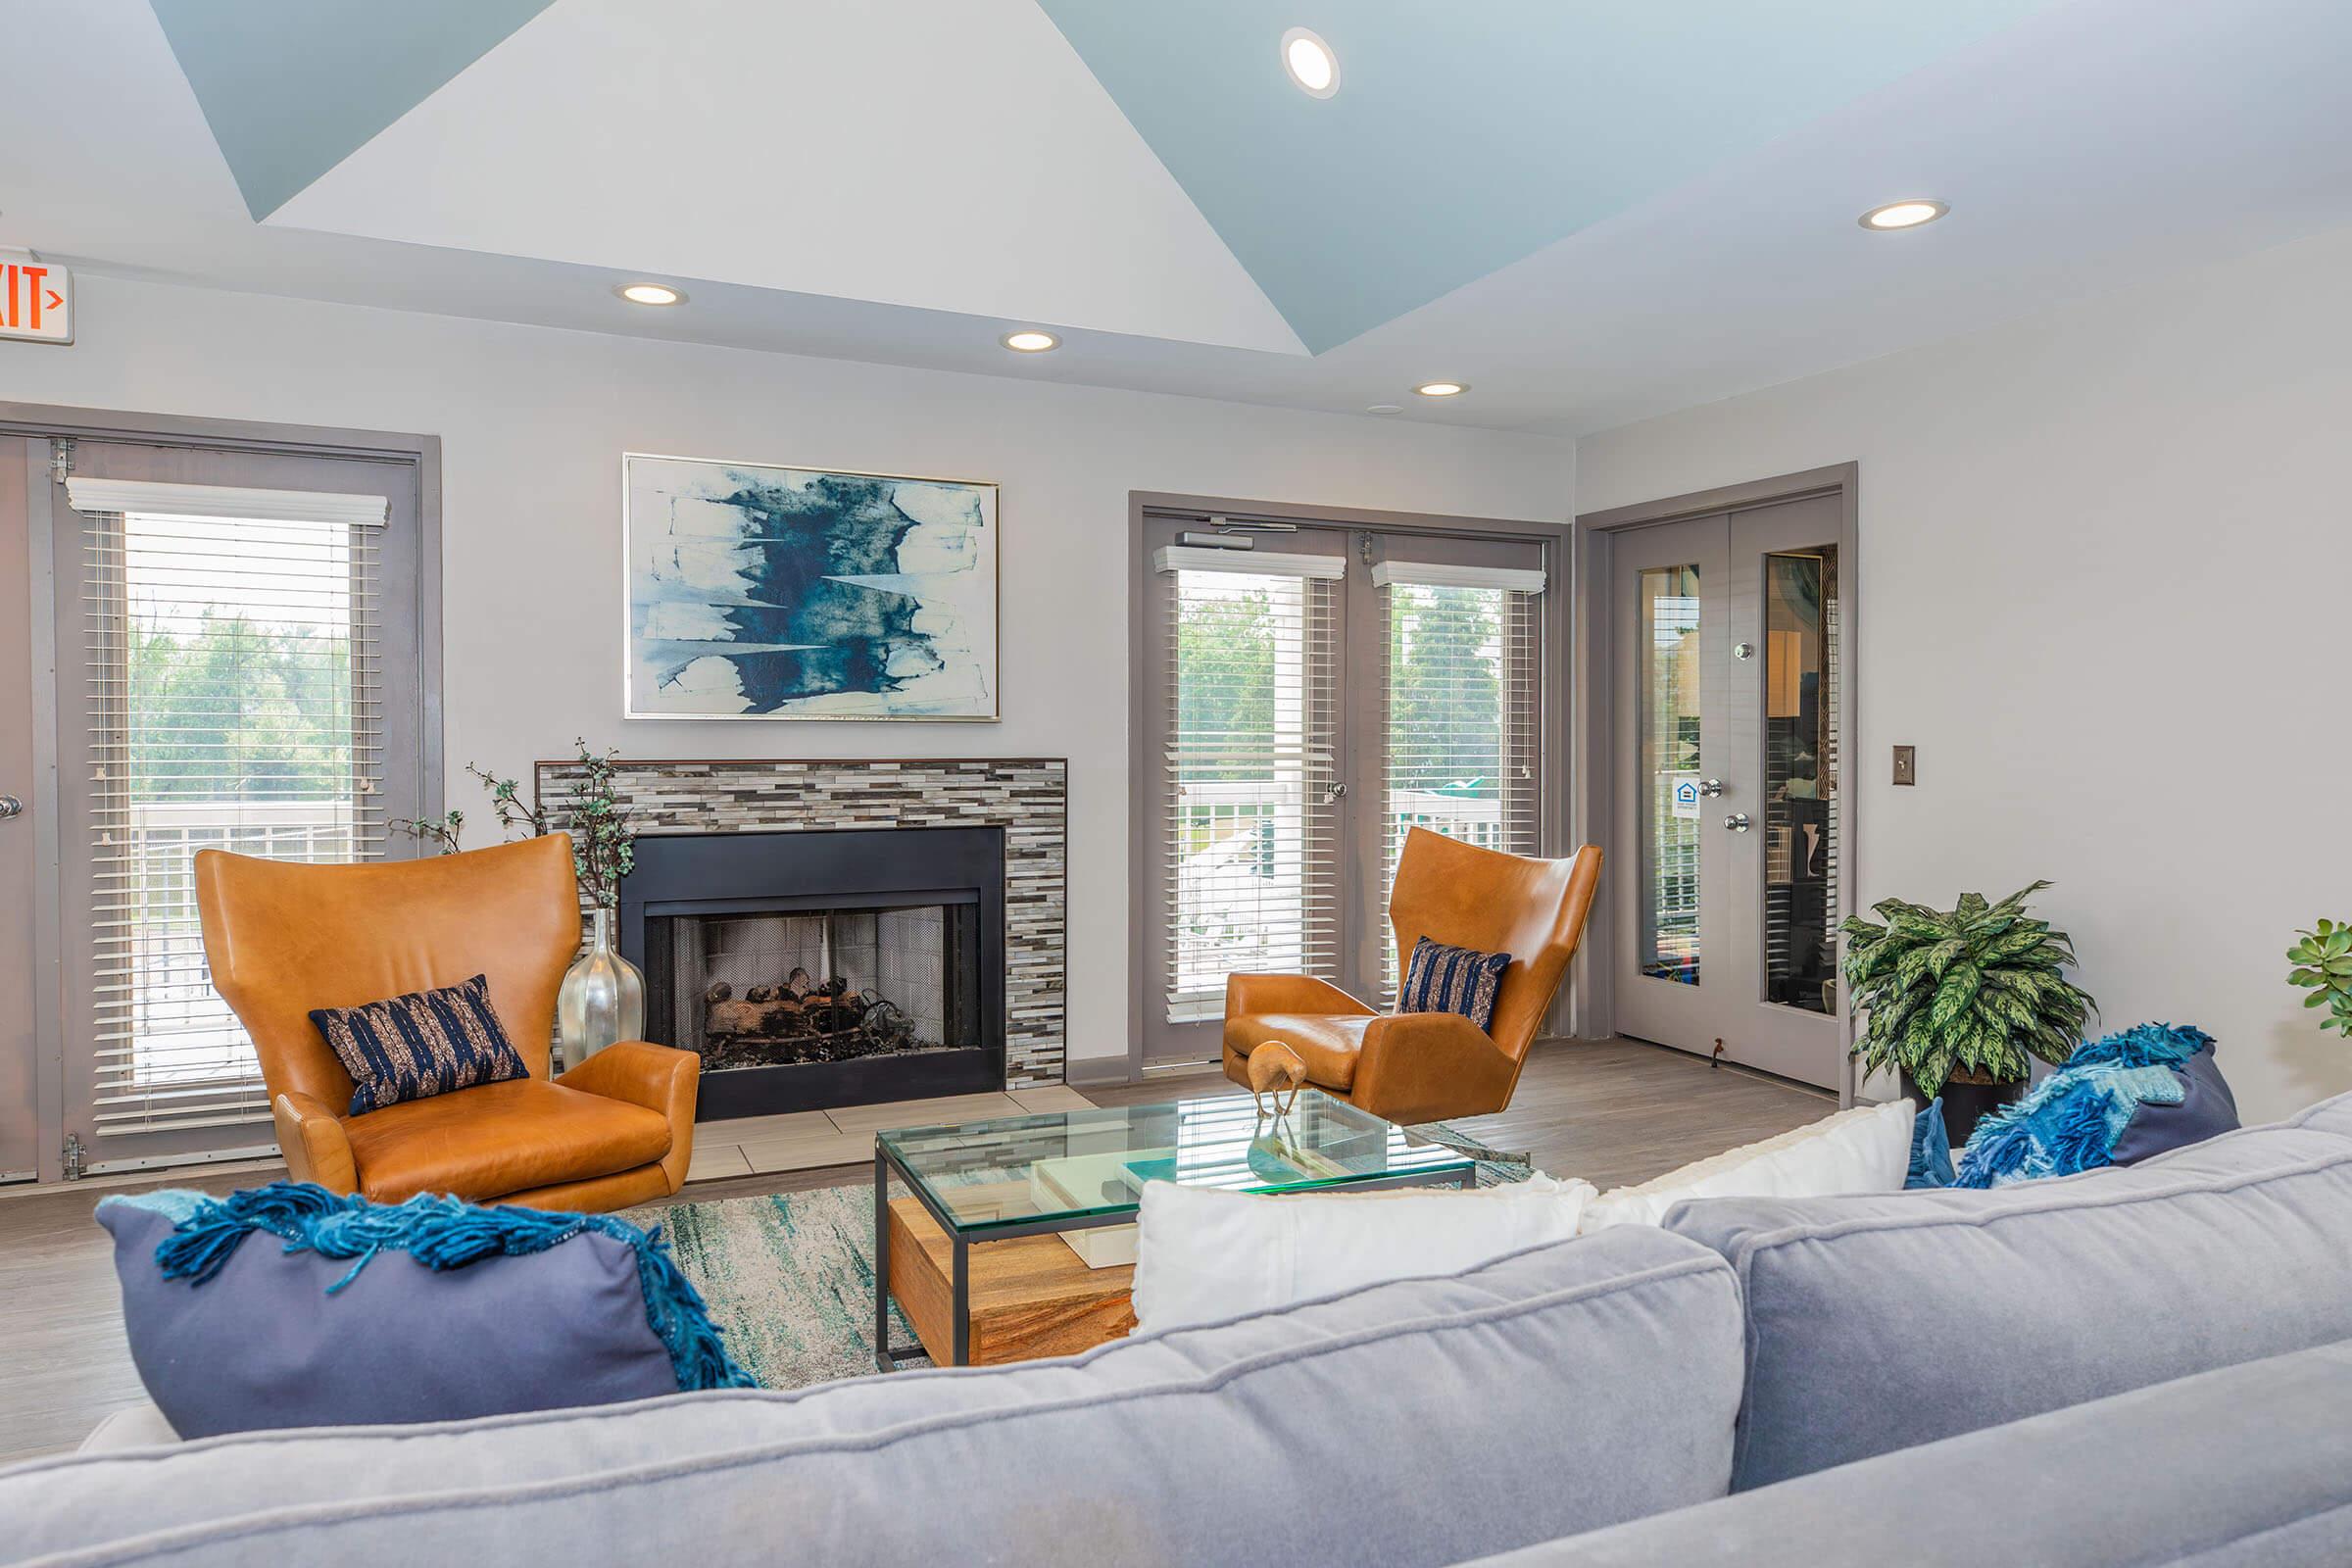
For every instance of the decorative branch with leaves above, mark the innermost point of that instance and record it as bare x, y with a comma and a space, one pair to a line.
443, 830
1974, 989
506, 800
2323, 962
603, 843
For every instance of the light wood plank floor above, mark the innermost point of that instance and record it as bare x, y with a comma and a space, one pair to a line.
1610, 1111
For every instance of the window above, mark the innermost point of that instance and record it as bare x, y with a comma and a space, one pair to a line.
1462, 673
1252, 818
1305, 696
235, 701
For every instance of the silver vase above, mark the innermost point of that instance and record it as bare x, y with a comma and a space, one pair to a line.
602, 999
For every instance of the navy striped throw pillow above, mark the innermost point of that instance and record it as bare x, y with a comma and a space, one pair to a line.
1443, 979
425, 1043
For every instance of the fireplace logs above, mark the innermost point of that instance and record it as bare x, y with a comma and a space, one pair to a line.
800, 1020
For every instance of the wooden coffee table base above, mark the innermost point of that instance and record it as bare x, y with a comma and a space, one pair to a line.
1031, 1295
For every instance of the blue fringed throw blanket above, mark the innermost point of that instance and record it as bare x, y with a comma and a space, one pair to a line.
2075, 1119
442, 1234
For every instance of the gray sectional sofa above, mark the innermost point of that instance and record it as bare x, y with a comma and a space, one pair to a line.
2139, 1366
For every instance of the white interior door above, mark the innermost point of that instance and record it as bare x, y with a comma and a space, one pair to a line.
1728, 664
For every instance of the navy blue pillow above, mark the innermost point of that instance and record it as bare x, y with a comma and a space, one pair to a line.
2206, 1109
321, 1322
1931, 1148
425, 1043
1443, 979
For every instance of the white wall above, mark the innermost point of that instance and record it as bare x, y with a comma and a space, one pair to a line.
2106, 581
533, 423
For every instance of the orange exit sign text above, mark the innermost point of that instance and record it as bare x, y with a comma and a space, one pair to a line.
37, 299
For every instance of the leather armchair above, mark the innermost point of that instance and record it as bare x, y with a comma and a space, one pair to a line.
284, 938
1426, 1066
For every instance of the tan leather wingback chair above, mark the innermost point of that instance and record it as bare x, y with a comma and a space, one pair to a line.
1426, 1066
285, 937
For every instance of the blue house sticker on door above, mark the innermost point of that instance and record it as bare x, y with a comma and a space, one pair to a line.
1685, 797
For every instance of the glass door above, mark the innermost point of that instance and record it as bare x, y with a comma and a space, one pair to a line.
1729, 666
1317, 693
239, 670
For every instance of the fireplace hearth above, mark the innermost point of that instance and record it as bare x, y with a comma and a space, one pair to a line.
815, 969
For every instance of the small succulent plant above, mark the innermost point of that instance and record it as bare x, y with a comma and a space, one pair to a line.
1974, 989
2323, 962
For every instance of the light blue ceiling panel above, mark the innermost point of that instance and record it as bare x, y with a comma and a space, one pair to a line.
1468, 134
292, 87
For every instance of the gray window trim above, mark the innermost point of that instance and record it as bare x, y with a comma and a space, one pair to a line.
40, 422
423, 452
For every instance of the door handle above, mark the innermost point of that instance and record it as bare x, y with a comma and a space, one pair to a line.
1710, 786
1738, 822
10, 806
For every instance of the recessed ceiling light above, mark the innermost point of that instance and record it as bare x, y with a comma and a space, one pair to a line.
1903, 215
1031, 342
650, 294
1386, 408
1310, 62
1443, 389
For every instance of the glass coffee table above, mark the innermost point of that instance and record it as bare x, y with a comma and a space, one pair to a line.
1019, 1178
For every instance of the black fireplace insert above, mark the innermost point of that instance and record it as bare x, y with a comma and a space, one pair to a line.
814, 969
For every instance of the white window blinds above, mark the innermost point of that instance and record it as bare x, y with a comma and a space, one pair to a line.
1252, 809
236, 694
1462, 699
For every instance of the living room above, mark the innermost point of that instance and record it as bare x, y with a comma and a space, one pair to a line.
1097, 733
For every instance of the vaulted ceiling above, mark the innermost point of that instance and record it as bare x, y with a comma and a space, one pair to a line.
1590, 213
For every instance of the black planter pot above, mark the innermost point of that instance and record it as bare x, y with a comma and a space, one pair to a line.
1965, 1102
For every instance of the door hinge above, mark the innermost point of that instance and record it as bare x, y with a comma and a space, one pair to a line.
73, 1154
61, 458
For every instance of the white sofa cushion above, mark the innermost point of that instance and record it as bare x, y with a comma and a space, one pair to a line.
1205, 1255
1865, 1149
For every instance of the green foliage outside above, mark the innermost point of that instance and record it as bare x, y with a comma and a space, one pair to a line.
1444, 692
1225, 679
236, 696
1975, 989
1444, 689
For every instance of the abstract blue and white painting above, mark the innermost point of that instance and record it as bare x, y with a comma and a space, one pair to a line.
760, 591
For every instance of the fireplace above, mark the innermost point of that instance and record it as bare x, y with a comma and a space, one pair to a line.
814, 969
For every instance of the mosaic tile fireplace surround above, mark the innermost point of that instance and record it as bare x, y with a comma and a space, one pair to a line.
833, 933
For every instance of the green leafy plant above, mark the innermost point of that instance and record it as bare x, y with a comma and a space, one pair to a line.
603, 844
2323, 962
1975, 989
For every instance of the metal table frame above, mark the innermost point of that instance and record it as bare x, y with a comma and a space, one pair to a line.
887, 1355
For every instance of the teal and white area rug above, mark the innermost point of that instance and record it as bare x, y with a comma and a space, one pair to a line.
790, 1276
789, 1279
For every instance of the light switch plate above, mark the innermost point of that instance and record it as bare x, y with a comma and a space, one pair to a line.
1906, 764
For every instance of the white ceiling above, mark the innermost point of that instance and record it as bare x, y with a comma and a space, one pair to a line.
721, 142
914, 190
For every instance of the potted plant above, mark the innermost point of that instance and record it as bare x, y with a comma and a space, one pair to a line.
2323, 962
1957, 1000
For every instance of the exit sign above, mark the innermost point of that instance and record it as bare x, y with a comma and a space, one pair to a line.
37, 299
